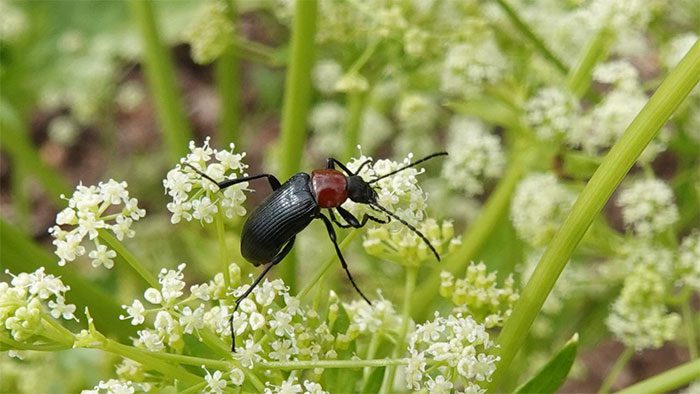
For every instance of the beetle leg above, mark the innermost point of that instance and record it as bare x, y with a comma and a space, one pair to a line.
350, 218
331, 234
331, 162
284, 252
274, 182
336, 221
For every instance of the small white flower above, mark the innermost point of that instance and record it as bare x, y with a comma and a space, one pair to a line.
102, 256
151, 340
551, 113
439, 385
237, 376
256, 321
248, 356
60, 309
281, 324
215, 382
191, 320
282, 350
153, 296
135, 313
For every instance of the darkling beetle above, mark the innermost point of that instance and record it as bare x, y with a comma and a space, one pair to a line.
268, 233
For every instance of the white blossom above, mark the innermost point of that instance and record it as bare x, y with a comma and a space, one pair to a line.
648, 207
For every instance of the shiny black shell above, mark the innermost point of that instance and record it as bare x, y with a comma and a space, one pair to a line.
283, 214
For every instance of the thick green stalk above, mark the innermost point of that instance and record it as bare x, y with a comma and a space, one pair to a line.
344, 364
297, 95
536, 41
228, 87
400, 347
580, 76
667, 381
619, 365
127, 256
605, 180
473, 240
161, 80
150, 362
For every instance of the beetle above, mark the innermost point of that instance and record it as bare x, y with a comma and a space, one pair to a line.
269, 231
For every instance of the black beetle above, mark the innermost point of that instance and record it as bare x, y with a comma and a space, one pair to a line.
269, 231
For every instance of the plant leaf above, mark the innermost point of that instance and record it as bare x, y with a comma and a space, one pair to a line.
554, 373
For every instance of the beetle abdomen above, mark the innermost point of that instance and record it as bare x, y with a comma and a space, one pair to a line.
283, 214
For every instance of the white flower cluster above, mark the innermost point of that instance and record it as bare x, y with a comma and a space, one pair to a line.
115, 386
368, 319
405, 247
689, 260
478, 295
292, 386
28, 299
194, 196
619, 15
106, 206
605, 123
476, 156
539, 206
325, 74
639, 317
551, 113
648, 207
458, 350
469, 66
13, 21
399, 193
211, 33
677, 48
417, 113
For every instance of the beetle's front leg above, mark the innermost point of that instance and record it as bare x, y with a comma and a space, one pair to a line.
352, 220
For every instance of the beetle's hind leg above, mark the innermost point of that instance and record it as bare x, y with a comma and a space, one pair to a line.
331, 234
281, 255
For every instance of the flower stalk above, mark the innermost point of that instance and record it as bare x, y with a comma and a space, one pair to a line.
128, 257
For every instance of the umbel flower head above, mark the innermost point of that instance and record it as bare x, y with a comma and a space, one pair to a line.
30, 298
194, 196
475, 156
458, 347
648, 207
539, 207
106, 206
211, 33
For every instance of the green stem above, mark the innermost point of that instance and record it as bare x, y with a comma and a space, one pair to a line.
667, 381
595, 194
160, 74
223, 249
580, 76
149, 361
130, 259
399, 348
371, 351
322, 270
537, 42
690, 329
195, 388
619, 365
297, 96
7, 343
473, 240
257, 52
344, 364
356, 107
228, 87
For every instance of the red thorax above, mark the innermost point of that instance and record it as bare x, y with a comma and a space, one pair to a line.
330, 188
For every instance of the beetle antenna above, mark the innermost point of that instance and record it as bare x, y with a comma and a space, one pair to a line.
410, 226
408, 166
203, 175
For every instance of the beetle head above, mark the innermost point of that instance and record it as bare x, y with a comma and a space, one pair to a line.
360, 191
